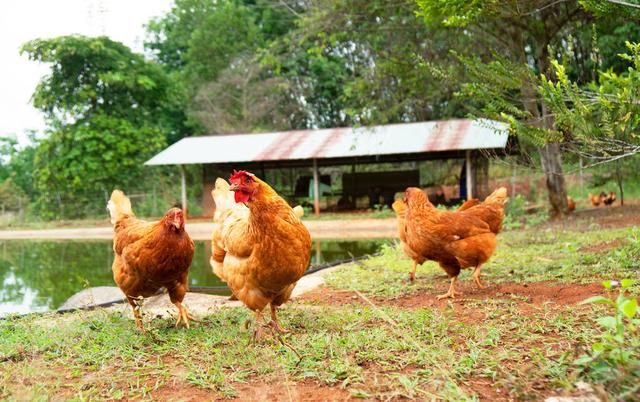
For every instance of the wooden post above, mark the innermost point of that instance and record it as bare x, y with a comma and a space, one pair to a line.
183, 176
468, 174
316, 188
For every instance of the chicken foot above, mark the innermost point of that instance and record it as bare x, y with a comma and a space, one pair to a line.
274, 321
137, 315
451, 293
183, 315
412, 273
136, 305
476, 277
257, 328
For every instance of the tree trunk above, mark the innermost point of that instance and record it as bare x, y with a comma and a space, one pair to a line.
550, 155
619, 180
551, 161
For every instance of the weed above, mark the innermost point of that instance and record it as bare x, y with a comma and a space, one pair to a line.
615, 359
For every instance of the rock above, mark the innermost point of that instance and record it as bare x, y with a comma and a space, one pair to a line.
585, 393
92, 297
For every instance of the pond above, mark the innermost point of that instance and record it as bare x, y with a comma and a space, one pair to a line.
40, 275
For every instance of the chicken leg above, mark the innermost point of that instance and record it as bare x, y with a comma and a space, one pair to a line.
451, 293
137, 315
274, 321
136, 305
183, 315
412, 273
476, 277
257, 328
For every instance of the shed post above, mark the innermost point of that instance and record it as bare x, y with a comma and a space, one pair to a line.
316, 188
183, 177
468, 173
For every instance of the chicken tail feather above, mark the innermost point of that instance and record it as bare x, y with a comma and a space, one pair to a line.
497, 197
299, 211
119, 206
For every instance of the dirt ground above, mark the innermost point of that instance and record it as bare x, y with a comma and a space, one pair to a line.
531, 300
529, 297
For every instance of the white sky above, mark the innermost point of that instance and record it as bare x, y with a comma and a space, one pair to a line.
23, 20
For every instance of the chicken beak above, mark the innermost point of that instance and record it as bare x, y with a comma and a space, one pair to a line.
234, 187
177, 223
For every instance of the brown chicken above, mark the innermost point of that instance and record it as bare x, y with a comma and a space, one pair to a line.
454, 239
609, 199
260, 251
571, 204
150, 256
596, 200
400, 208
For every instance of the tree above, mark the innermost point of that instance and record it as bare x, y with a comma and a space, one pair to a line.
355, 62
104, 107
521, 36
603, 118
207, 46
516, 42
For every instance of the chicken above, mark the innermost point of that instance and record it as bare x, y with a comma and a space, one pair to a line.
596, 200
400, 208
571, 204
260, 247
454, 239
150, 256
609, 199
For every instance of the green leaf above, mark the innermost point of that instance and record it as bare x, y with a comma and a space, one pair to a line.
625, 283
583, 360
607, 284
629, 307
607, 322
597, 299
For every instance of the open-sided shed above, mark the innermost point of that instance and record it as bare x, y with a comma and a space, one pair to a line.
447, 139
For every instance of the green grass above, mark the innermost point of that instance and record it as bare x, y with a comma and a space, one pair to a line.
422, 353
381, 350
540, 254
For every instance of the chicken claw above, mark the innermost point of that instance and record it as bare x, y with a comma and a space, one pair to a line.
412, 273
274, 322
476, 277
451, 293
183, 315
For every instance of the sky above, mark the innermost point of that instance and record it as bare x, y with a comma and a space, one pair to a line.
24, 20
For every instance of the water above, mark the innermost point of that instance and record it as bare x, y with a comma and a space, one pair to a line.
40, 275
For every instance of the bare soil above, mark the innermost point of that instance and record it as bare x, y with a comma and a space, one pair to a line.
535, 293
306, 391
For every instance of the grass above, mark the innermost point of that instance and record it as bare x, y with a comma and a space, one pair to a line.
495, 348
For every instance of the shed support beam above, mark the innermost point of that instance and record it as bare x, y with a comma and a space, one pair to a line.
316, 188
469, 175
183, 177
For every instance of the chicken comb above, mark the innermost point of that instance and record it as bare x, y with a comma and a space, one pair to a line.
237, 174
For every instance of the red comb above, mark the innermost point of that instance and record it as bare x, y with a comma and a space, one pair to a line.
237, 174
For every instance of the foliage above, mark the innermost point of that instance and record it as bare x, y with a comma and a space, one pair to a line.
104, 106
211, 48
94, 155
95, 75
602, 119
360, 64
615, 360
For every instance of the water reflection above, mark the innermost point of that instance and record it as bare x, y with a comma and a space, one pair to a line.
40, 275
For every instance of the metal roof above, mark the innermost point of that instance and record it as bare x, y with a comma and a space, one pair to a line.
409, 138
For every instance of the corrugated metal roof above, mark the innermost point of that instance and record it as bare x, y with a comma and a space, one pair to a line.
433, 136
